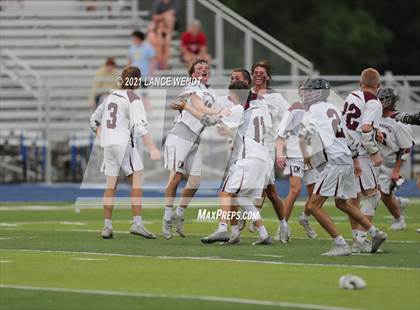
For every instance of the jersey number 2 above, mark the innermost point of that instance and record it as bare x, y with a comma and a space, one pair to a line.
331, 113
112, 123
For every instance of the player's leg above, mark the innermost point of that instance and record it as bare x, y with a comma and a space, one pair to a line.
340, 247
137, 228
304, 217
108, 203
283, 231
392, 203
170, 195
295, 187
221, 233
192, 166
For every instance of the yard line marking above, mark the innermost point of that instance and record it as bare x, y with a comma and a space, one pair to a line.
267, 255
9, 224
5, 261
89, 259
216, 259
200, 235
233, 300
73, 223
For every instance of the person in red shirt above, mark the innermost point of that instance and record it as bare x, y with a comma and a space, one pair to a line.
194, 44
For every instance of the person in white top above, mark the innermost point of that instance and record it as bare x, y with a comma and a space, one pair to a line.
395, 144
181, 148
249, 169
274, 105
289, 159
361, 115
118, 121
337, 179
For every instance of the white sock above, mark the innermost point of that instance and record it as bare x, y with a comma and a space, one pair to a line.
304, 216
168, 213
373, 231
222, 227
137, 220
108, 223
283, 223
262, 232
354, 233
180, 211
340, 240
361, 234
235, 230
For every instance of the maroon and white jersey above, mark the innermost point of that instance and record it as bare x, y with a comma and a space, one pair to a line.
323, 120
249, 139
122, 117
397, 138
208, 97
361, 108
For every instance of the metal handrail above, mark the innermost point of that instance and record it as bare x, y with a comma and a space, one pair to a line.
252, 33
42, 94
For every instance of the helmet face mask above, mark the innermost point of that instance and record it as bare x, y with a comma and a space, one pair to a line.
388, 97
312, 91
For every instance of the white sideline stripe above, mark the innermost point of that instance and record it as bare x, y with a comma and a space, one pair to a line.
74, 223
89, 259
207, 258
185, 297
299, 238
267, 255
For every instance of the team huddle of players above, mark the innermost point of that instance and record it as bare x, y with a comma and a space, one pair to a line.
353, 156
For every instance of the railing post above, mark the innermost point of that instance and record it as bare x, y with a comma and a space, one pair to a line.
48, 161
218, 25
190, 11
294, 73
248, 51
134, 10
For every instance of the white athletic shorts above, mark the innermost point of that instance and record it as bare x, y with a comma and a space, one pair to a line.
336, 181
368, 179
182, 156
118, 157
384, 179
246, 177
294, 167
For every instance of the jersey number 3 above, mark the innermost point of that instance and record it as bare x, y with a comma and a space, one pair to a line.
112, 123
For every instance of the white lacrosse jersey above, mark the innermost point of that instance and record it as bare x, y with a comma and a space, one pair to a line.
249, 139
122, 111
397, 137
277, 107
289, 128
361, 108
324, 120
235, 118
206, 94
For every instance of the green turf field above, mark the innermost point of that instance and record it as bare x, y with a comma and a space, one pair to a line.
55, 259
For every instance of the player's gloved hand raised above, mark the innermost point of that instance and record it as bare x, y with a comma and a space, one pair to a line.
155, 154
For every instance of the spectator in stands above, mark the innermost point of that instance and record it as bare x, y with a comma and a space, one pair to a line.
165, 10
141, 54
105, 80
160, 38
194, 44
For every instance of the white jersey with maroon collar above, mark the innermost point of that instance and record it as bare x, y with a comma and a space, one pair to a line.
123, 115
206, 94
397, 137
361, 108
323, 120
249, 139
